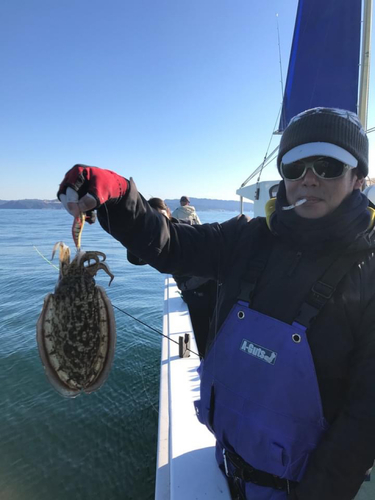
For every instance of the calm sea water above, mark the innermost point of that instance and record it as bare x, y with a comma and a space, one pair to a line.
101, 446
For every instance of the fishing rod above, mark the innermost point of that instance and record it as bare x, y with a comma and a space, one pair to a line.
124, 312
268, 158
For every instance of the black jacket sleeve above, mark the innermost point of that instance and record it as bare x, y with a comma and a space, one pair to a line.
182, 249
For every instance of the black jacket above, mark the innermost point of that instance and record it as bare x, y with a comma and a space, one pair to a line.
184, 283
342, 339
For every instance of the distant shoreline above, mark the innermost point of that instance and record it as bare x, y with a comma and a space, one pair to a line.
200, 204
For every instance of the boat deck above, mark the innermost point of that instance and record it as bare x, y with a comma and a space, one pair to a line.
367, 491
186, 466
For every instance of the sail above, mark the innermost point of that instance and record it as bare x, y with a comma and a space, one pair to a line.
324, 60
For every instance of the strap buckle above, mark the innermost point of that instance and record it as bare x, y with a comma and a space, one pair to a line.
246, 472
281, 484
225, 463
323, 290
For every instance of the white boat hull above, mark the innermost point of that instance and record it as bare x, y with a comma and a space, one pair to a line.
186, 466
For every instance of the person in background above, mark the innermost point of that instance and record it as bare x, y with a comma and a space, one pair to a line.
287, 382
200, 297
198, 293
186, 212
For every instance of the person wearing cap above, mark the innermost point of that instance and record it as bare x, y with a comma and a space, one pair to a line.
287, 379
186, 212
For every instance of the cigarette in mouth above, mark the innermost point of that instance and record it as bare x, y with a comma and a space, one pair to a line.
296, 204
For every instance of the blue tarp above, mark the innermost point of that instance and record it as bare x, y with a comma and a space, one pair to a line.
324, 60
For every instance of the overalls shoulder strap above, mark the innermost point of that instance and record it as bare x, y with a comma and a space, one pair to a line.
258, 258
323, 289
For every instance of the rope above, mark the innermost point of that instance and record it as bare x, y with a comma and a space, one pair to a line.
268, 147
268, 159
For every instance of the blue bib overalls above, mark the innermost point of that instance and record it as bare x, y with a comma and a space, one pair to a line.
260, 394
264, 402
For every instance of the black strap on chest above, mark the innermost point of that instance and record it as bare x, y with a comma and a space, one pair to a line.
323, 289
258, 258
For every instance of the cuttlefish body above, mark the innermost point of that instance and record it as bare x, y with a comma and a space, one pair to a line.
76, 331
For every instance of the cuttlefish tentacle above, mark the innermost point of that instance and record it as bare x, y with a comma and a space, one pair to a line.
64, 256
94, 268
83, 257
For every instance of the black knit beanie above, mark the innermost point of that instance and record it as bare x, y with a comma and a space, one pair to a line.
336, 126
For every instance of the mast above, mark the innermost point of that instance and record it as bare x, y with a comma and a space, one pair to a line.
365, 63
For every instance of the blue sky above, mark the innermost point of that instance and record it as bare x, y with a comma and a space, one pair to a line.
182, 95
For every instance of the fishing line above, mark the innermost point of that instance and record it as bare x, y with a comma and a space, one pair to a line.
282, 91
146, 392
133, 317
280, 63
49, 262
125, 312
152, 328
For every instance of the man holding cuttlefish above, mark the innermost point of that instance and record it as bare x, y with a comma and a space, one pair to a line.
287, 379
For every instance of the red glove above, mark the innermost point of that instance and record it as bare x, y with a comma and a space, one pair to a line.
101, 184
86, 188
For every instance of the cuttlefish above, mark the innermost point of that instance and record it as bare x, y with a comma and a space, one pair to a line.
76, 331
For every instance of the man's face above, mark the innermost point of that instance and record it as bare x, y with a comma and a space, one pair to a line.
323, 195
